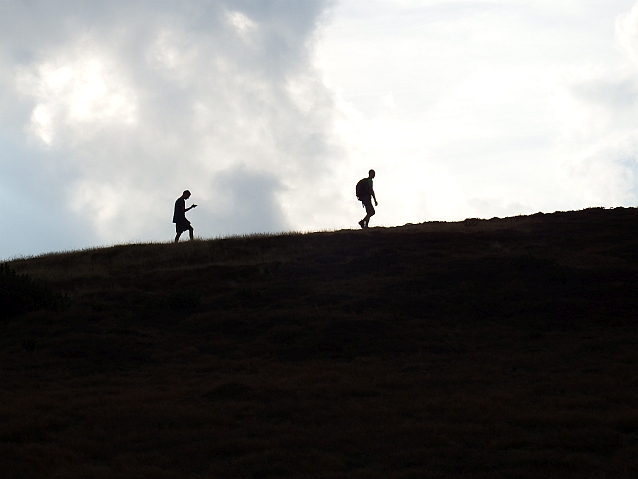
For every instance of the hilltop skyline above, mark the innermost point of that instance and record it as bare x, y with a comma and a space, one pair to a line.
269, 112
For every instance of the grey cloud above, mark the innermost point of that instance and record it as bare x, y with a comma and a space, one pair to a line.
247, 203
127, 103
34, 215
28, 27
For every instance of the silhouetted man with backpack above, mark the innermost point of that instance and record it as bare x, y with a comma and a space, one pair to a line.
365, 194
179, 216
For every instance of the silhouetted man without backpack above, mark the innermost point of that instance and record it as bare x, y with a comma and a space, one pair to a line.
365, 194
179, 216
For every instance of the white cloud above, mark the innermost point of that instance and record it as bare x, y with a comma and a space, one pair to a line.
498, 107
74, 91
627, 32
243, 25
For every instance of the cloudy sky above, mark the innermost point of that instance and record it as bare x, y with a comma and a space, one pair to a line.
269, 111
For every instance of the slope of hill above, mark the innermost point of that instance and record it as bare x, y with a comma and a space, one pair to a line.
483, 348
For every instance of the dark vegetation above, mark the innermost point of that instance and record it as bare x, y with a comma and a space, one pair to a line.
500, 348
19, 294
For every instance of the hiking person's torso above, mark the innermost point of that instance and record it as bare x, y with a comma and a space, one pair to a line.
179, 214
364, 188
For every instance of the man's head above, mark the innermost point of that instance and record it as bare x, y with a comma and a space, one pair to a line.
186, 194
371, 174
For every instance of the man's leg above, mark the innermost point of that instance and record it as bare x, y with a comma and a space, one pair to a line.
369, 212
367, 218
190, 232
177, 237
367, 205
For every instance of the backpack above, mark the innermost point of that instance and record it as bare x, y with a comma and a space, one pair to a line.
362, 189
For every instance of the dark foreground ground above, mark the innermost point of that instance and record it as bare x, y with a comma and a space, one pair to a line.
500, 348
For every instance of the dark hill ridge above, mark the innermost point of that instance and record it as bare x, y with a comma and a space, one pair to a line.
502, 347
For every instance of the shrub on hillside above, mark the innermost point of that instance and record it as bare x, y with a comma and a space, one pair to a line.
19, 293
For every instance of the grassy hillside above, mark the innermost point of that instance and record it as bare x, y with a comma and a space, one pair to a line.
500, 348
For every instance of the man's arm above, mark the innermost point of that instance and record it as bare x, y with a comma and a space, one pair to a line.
374, 197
